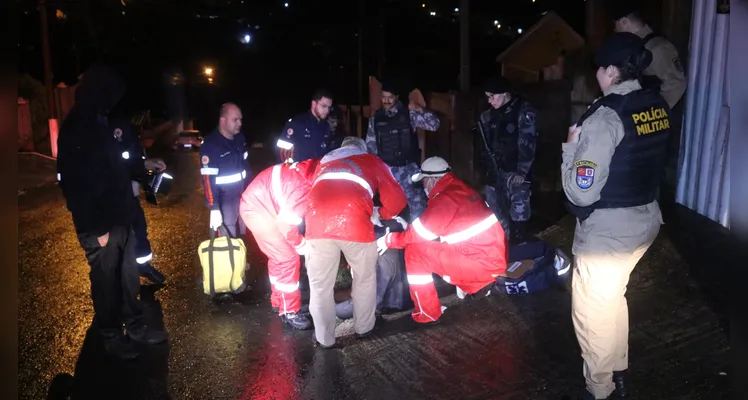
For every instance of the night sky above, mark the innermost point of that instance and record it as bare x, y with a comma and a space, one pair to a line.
292, 49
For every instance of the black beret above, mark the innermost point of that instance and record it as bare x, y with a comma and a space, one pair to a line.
389, 87
619, 47
498, 84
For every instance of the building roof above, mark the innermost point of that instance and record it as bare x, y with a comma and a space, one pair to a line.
541, 44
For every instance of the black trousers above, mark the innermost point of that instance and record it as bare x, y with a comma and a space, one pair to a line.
140, 228
115, 281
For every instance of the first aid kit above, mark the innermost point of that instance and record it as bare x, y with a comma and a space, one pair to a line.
223, 260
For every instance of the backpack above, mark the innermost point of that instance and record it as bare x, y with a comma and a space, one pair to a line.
534, 266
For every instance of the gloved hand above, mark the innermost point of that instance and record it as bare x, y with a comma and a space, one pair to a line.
382, 242
375, 217
400, 220
460, 293
215, 219
303, 248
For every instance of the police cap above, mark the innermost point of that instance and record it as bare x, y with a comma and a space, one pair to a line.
619, 48
390, 87
498, 85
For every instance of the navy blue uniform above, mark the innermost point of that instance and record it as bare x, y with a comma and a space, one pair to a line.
304, 137
225, 172
133, 156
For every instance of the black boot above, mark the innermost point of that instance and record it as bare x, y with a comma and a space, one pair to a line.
120, 347
152, 274
297, 321
620, 378
144, 335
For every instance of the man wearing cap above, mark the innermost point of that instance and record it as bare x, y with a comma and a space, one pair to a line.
340, 218
392, 136
665, 73
457, 237
510, 137
610, 173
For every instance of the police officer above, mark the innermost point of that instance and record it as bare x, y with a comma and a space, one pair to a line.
665, 73
510, 135
610, 176
307, 135
391, 135
225, 171
134, 158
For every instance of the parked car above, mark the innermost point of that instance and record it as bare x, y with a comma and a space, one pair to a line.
188, 140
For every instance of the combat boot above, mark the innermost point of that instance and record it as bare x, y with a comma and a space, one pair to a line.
152, 274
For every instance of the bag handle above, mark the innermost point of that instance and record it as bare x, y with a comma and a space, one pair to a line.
210, 255
210, 263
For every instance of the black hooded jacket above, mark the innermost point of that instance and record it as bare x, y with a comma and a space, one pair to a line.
94, 181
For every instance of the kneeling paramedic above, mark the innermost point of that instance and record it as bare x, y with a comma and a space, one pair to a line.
457, 237
273, 207
611, 173
340, 219
134, 158
225, 171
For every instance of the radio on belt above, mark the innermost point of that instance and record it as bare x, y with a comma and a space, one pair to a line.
157, 183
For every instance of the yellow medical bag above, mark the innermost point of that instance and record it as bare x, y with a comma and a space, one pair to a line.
223, 260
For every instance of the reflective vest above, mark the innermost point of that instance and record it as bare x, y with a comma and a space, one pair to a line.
638, 160
397, 141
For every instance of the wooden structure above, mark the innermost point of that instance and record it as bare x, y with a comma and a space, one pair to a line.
538, 49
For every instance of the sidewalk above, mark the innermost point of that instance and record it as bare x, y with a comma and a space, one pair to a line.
35, 170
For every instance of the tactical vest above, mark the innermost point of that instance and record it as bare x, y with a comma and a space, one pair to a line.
503, 135
650, 81
638, 160
397, 142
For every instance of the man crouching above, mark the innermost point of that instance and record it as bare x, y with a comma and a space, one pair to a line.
457, 237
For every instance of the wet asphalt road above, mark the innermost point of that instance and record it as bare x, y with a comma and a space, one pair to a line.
498, 348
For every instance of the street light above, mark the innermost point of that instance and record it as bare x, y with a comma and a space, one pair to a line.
208, 71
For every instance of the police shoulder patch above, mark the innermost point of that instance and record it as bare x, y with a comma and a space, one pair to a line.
677, 64
585, 173
205, 160
530, 117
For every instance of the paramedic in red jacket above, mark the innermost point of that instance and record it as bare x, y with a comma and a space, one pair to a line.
457, 237
272, 207
341, 211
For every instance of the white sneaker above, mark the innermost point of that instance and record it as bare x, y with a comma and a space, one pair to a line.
460, 293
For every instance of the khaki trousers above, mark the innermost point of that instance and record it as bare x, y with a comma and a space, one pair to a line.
607, 247
322, 265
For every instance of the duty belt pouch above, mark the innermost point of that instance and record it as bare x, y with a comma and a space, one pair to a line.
534, 267
223, 261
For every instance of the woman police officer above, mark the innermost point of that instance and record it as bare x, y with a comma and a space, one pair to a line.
612, 162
